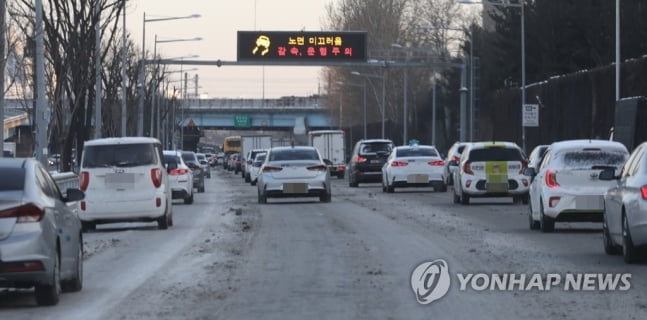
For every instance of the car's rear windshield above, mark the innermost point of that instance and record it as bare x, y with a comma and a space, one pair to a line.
201, 157
591, 159
168, 158
119, 155
416, 152
375, 147
12, 179
188, 156
294, 154
495, 154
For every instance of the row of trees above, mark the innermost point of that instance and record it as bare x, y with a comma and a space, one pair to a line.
561, 37
69, 33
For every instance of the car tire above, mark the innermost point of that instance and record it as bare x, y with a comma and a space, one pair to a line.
465, 199
87, 226
49, 294
525, 199
201, 188
546, 224
441, 188
340, 175
610, 248
262, 198
383, 186
76, 283
351, 183
248, 178
534, 225
253, 182
457, 199
630, 253
326, 197
189, 199
163, 221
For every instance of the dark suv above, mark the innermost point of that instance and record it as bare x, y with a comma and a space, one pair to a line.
367, 160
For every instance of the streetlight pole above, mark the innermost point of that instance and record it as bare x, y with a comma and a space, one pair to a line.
383, 77
363, 86
98, 125
155, 110
523, 54
405, 122
41, 113
142, 81
124, 97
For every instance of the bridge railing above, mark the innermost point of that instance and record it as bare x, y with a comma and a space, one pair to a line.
283, 103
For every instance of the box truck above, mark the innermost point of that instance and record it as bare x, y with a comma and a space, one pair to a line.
330, 144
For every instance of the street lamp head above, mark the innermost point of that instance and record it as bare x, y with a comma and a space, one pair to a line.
397, 45
355, 73
195, 15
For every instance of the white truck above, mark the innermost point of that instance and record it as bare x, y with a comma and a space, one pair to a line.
9, 149
330, 144
252, 143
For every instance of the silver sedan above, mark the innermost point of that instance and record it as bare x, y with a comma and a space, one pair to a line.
293, 172
624, 230
40, 232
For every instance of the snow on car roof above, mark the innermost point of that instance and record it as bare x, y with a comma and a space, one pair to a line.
120, 140
584, 143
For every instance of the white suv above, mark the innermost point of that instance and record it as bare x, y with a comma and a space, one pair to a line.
491, 169
566, 185
124, 180
180, 176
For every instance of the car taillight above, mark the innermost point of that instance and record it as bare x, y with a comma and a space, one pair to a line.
22, 266
359, 159
156, 176
643, 192
399, 163
25, 213
467, 168
436, 163
319, 167
85, 180
551, 179
455, 158
176, 172
271, 169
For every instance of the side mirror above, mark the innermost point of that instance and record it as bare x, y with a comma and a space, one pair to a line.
607, 175
529, 172
74, 194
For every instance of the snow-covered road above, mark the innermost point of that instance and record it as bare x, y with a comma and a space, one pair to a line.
228, 257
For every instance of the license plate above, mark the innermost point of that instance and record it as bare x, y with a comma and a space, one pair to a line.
417, 178
589, 203
497, 187
376, 161
295, 188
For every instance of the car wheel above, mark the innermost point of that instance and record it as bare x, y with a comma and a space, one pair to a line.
326, 197
87, 226
76, 283
546, 224
189, 199
630, 253
248, 178
465, 199
340, 175
253, 182
441, 188
525, 199
383, 186
352, 183
201, 188
457, 199
610, 248
49, 294
262, 198
162, 222
534, 225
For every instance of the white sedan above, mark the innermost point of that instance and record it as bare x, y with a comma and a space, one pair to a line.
566, 185
414, 166
290, 172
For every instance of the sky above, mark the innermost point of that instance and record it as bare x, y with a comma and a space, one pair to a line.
217, 26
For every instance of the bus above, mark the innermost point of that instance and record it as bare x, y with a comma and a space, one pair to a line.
232, 145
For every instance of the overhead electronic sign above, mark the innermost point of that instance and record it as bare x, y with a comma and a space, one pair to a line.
302, 46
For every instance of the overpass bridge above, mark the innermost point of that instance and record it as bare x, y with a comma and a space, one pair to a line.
288, 113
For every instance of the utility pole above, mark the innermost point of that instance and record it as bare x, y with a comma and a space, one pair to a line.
124, 97
41, 104
97, 70
3, 36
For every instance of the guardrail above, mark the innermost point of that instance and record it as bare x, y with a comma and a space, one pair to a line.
66, 180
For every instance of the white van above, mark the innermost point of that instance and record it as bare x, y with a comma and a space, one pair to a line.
124, 180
